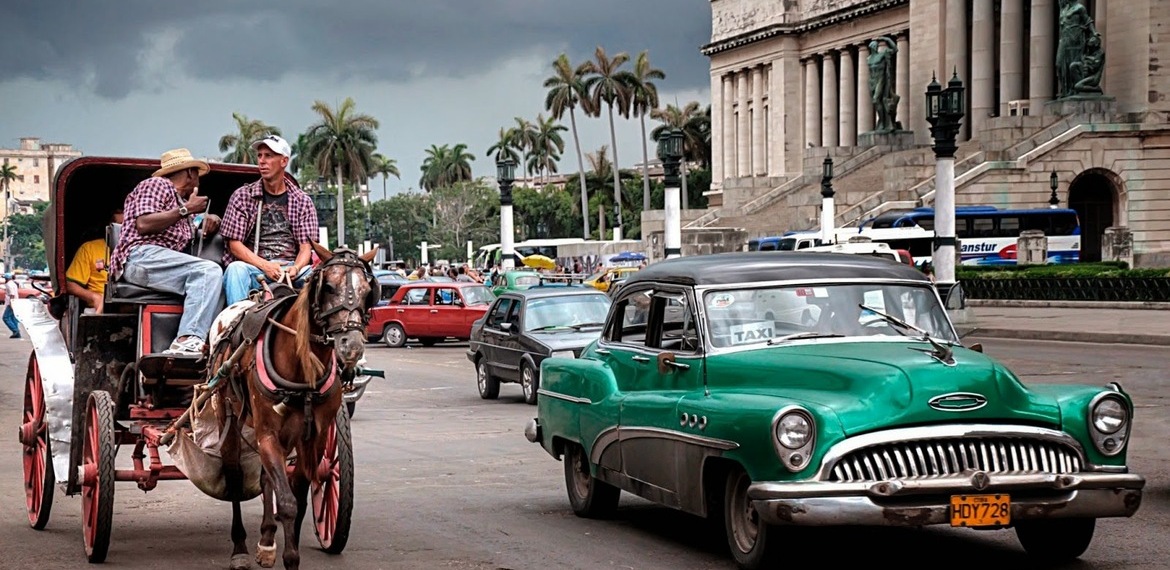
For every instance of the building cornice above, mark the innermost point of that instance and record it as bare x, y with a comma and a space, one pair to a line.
801, 27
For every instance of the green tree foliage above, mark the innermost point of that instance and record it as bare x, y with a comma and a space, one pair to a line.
26, 234
342, 141
403, 220
445, 165
566, 90
607, 83
384, 167
546, 213
643, 101
238, 145
464, 211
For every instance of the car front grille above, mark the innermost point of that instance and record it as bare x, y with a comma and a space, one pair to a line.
942, 457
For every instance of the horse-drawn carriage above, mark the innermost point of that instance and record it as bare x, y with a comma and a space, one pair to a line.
100, 382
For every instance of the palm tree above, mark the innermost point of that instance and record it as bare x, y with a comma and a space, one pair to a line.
524, 138
343, 141
644, 100
8, 175
505, 147
247, 132
547, 144
566, 91
299, 157
445, 165
696, 128
386, 167
608, 84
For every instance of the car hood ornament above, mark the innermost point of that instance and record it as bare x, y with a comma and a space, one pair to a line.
958, 402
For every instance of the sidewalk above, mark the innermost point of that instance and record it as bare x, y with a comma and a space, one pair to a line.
1115, 323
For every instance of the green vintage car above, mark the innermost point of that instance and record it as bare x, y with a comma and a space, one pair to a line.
772, 389
515, 280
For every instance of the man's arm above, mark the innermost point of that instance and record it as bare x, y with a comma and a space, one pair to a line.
160, 219
304, 258
91, 298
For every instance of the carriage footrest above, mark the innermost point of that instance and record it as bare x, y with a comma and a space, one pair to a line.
172, 367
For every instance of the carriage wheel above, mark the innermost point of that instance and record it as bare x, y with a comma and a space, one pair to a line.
97, 481
333, 492
38, 460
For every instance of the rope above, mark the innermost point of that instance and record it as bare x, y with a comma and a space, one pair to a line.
213, 386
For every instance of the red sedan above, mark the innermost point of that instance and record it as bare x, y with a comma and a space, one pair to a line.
429, 312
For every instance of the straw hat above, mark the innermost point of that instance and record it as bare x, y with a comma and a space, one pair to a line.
180, 159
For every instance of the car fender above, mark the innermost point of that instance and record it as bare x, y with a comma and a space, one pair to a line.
572, 404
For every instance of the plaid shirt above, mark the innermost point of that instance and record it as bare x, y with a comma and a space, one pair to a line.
152, 195
239, 222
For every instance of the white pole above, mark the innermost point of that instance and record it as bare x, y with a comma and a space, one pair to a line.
944, 220
673, 237
828, 232
468, 251
424, 254
323, 236
506, 249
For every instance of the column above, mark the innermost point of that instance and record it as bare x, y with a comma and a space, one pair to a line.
717, 131
982, 65
1041, 68
864, 100
848, 93
1011, 53
742, 130
956, 57
812, 104
758, 166
829, 108
902, 78
728, 125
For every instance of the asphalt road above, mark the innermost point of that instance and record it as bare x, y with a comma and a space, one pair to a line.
447, 480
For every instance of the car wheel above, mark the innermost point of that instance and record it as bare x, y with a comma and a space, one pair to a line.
394, 336
428, 341
1056, 540
529, 382
754, 544
350, 407
589, 497
489, 386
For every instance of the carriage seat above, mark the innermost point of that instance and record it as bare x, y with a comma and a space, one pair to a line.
120, 291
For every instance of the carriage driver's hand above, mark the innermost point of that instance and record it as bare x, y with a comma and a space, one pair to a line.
196, 204
272, 270
210, 224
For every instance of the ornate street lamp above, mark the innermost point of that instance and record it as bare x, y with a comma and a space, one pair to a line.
827, 208
505, 175
670, 152
944, 112
1053, 183
325, 204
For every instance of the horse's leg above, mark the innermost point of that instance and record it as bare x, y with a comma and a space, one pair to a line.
292, 542
266, 549
272, 456
239, 540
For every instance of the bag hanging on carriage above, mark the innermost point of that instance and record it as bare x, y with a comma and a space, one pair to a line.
197, 450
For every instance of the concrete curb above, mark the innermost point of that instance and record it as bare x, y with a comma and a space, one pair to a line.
1067, 336
1131, 305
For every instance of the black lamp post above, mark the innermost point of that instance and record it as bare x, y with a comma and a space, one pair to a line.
323, 202
1053, 183
828, 209
505, 175
944, 112
670, 152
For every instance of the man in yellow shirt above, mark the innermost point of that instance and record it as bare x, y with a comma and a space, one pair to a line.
86, 276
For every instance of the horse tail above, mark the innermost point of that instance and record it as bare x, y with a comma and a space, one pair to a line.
311, 366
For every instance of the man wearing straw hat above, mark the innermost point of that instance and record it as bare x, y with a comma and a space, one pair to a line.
157, 228
267, 226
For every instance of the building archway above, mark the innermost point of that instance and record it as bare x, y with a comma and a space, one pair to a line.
1095, 195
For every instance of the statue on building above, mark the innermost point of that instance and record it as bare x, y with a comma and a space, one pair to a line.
1080, 59
882, 72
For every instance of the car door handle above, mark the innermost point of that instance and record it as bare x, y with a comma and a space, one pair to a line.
434, 310
676, 365
601, 350
401, 310
640, 358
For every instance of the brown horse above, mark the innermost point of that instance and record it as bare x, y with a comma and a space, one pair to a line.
289, 390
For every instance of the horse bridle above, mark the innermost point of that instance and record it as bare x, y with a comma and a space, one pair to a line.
350, 302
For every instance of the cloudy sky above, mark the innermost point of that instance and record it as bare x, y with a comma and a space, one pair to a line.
137, 77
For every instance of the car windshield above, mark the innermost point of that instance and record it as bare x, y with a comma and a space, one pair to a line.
477, 295
568, 311
778, 314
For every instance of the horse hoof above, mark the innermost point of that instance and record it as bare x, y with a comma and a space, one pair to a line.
266, 555
241, 562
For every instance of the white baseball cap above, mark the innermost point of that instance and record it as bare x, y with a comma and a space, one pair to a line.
276, 144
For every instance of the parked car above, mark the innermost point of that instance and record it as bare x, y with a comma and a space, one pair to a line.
389, 282
429, 312
871, 413
606, 277
516, 280
524, 327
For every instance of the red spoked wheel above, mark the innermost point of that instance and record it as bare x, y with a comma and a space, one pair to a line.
333, 491
38, 460
97, 476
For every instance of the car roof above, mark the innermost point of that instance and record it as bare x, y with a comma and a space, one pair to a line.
759, 266
418, 283
553, 292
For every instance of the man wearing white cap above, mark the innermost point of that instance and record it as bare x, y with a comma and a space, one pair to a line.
158, 226
268, 225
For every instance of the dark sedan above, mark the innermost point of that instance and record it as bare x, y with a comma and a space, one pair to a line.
522, 328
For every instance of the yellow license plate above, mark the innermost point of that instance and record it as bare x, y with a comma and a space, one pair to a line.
981, 510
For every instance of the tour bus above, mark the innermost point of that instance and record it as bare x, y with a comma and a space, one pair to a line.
489, 255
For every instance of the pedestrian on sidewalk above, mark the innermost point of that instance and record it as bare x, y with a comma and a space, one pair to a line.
12, 291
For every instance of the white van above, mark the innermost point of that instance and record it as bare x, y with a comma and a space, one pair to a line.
872, 249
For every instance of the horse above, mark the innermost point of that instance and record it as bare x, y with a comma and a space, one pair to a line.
288, 359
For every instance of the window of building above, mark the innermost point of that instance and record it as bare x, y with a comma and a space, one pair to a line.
36, 162
36, 179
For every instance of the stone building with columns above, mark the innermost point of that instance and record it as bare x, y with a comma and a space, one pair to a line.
790, 86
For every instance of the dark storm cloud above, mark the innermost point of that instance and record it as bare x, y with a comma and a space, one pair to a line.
99, 44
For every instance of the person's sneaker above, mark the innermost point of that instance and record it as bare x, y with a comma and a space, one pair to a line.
191, 347
15, 335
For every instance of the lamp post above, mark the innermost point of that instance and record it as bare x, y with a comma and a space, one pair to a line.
1053, 183
827, 208
325, 204
944, 112
505, 175
340, 212
670, 152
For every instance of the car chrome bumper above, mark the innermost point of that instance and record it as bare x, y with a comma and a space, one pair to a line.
354, 393
471, 355
927, 501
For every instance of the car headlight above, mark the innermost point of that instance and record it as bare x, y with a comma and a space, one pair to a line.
794, 432
1109, 416
563, 354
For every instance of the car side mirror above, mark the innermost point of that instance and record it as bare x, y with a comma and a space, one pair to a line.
977, 347
506, 327
457, 302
